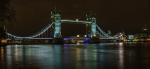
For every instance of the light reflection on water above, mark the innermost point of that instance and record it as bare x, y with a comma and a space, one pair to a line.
121, 56
70, 56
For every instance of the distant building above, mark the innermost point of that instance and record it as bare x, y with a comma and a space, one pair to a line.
130, 37
145, 31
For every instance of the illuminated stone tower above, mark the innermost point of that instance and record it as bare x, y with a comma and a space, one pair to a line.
56, 19
92, 25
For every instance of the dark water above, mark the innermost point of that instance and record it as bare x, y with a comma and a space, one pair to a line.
92, 56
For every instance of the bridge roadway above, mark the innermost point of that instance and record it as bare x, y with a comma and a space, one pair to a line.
76, 21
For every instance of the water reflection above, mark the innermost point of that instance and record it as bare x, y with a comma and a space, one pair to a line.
92, 56
121, 56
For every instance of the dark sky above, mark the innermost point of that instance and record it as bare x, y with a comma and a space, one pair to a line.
115, 15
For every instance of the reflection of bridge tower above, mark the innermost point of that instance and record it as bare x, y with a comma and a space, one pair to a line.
92, 26
56, 19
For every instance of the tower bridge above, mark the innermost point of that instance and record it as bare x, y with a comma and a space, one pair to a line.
55, 25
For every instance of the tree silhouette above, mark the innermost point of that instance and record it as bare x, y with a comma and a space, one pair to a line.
6, 15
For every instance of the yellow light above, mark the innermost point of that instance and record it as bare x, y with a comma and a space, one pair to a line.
94, 35
85, 35
120, 44
3, 41
78, 35
77, 20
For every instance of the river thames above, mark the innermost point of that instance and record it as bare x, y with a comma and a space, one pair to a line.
76, 56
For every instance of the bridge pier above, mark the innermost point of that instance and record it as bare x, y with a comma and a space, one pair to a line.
95, 40
58, 41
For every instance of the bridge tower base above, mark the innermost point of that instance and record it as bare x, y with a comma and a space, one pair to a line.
58, 41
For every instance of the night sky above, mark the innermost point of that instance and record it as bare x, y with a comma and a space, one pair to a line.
115, 15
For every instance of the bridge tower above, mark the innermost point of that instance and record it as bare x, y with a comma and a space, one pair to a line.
56, 19
92, 25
